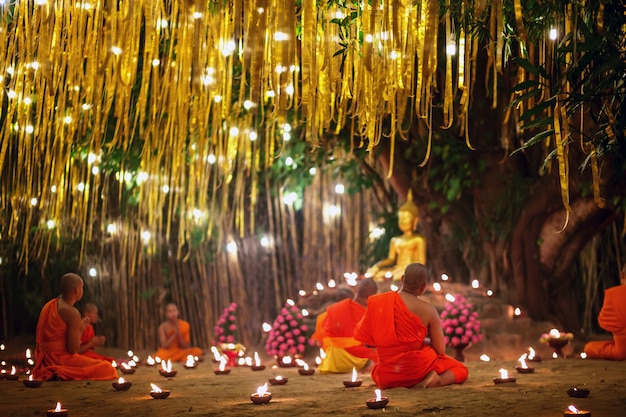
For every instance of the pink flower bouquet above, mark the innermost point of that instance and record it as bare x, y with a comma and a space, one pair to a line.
460, 323
226, 330
289, 334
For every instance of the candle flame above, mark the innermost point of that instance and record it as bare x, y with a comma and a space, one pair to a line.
57, 409
157, 359
242, 361
27, 353
169, 365
278, 378
257, 360
267, 327
125, 365
262, 390
554, 333
132, 363
393, 287
287, 360
573, 409
12, 370
216, 353
531, 353
322, 354
155, 388
150, 360
378, 394
437, 286
130, 353
485, 358
30, 377
517, 311
135, 358
190, 362
583, 355
222, 365
120, 380
522, 361
554, 355
354, 375
114, 364
450, 298
318, 360
504, 374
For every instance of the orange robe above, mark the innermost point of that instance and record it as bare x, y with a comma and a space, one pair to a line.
398, 335
343, 351
612, 318
88, 334
175, 353
52, 360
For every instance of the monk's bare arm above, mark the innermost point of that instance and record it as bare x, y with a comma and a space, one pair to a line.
436, 334
71, 317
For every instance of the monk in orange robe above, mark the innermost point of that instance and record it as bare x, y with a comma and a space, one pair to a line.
612, 318
58, 339
396, 324
88, 340
343, 351
174, 337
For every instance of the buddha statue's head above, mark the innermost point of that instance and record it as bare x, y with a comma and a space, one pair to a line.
408, 214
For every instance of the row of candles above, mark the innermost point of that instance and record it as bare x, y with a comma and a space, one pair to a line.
262, 396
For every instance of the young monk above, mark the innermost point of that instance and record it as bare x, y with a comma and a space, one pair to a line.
396, 324
88, 340
58, 339
174, 337
612, 318
343, 351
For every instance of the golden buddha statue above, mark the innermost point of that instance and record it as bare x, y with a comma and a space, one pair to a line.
405, 249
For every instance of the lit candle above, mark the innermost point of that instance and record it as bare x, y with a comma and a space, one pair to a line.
216, 354
32, 382
354, 382
257, 363
504, 377
114, 364
304, 370
58, 411
261, 396
190, 363
158, 393
573, 411
222, 369
523, 368
121, 384
378, 402
150, 361
166, 369
583, 355
485, 358
126, 368
278, 380
10, 376
286, 360
555, 334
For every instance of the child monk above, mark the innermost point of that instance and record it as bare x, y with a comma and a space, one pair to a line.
396, 324
58, 339
88, 340
174, 337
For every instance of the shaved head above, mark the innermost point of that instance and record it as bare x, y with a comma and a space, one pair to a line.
89, 307
366, 288
415, 276
69, 283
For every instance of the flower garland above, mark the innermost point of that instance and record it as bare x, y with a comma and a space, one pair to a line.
288, 335
226, 330
460, 323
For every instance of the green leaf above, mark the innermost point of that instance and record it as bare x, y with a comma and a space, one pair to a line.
525, 84
541, 122
538, 137
524, 63
537, 110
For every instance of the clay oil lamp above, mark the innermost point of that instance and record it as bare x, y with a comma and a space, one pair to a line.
304, 369
190, 363
532, 357
504, 378
278, 380
57, 411
150, 361
166, 369
573, 411
523, 368
126, 369
222, 369
32, 382
354, 382
9, 376
557, 340
286, 362
378, 402
578, 392
261, 396
121, 385
216, 354
158, 394
257, 365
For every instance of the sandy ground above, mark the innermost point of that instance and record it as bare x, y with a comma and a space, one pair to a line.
199, 392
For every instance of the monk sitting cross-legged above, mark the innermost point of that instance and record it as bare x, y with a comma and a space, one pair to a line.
396, 324
612, 318
88, 340
58, 339
174, 337
343, 352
